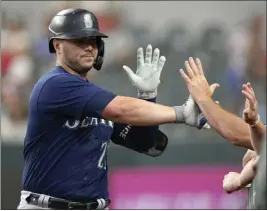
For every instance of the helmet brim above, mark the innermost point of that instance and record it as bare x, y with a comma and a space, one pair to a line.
82, 34
76, 35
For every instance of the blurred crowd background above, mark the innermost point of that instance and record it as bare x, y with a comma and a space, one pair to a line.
228, 36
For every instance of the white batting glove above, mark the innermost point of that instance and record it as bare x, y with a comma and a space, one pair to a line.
147, 76
193, 116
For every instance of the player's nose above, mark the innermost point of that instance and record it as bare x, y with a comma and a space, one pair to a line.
89, 47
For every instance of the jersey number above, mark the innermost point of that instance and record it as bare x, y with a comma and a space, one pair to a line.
101, 163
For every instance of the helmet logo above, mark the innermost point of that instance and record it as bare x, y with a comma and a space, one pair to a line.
88, 21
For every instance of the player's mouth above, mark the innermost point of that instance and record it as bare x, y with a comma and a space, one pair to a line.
88, 57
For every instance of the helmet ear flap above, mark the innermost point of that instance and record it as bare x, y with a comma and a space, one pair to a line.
51, 46
100, 56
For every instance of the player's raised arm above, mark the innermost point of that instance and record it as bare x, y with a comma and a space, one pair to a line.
72, 96
142, 113
147, 78
228, 125
144, 139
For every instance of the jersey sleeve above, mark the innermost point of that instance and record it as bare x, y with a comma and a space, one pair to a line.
71, 96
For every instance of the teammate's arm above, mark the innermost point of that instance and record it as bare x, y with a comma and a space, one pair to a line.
257, 136
234, 181
250, 114
228, 125
231, 127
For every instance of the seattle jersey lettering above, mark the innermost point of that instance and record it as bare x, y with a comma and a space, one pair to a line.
87, 122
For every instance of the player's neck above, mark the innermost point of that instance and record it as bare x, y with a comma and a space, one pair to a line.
71, 71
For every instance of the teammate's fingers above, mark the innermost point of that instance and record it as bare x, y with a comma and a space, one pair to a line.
244, 87
249, 86
193, 66
226, 175
213, 87
184, 76
251, 90
253, 97
246, 111
155, 59
199, 66
148, 54
246, 159
248, 89
246, 103
140, 57
189, 70
161, 63
250, 98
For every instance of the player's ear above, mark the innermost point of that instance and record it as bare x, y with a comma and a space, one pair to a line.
56, 44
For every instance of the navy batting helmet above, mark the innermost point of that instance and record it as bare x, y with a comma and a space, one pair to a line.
74, 24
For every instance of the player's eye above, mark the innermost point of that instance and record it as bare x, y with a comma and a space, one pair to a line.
85, 41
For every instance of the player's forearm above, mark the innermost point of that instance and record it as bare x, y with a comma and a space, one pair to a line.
257, 134
231, 127
137, 112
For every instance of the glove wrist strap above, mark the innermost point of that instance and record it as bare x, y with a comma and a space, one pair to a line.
147, 95
179, 111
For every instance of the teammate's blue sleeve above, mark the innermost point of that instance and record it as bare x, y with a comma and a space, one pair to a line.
139, 138
71, 96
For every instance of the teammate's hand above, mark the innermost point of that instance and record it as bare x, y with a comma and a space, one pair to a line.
196, 81
193, 115
147, 76
231, 182
250, 154
250, 113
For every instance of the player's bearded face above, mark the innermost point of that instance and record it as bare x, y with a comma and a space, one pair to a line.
80, 54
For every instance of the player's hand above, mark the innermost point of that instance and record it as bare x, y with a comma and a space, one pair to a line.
147, 76
231, 182
196, 81
250, 113
250, 154
193, 115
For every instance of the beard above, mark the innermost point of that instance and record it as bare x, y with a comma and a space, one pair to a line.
78, 68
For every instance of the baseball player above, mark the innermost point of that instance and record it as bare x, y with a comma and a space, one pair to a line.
71, 121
